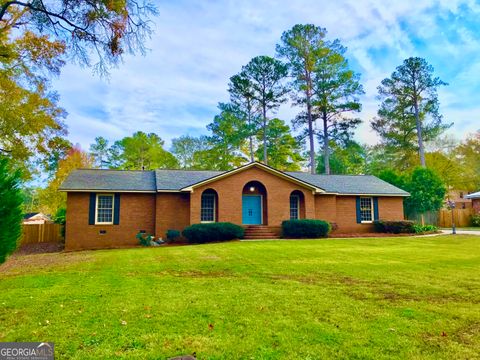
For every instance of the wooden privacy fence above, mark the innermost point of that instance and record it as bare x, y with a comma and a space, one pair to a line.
462, 217
41, 233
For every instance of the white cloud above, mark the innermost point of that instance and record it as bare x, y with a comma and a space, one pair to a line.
197, 46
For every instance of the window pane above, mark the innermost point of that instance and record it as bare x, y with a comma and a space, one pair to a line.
208, 207
293, 207
105, 209
366, 209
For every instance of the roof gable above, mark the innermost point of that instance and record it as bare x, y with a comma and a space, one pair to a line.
260, 166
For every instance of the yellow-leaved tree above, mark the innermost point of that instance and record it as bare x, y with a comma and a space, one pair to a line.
50, 198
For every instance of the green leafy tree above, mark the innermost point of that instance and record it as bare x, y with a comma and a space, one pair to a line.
99, 151
427, 192
302, 47
468, 155
186, 149
337, 90
228, 135
394, 178
284, 151
348, 158
242, 96
142, 151
266, 76
409, 113
10, 209
50, 199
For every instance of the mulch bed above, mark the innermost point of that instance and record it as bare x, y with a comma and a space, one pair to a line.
38, 248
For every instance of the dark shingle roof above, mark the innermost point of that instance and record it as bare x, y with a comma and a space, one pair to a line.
113, 180
350, 184
174, 180
178, 179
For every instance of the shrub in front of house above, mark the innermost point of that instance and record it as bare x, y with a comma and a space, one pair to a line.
425, 229
475, 220
394, 226
144, 239
173, 235
305, 228
212, 232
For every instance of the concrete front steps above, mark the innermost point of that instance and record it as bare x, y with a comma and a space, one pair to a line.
254, 232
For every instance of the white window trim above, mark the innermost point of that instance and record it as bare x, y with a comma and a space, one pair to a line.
298, 207
96, 209
214, 209
371, 209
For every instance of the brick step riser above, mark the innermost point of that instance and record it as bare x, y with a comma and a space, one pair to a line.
259, 232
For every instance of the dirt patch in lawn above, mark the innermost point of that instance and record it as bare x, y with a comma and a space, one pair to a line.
39, 248
26, 264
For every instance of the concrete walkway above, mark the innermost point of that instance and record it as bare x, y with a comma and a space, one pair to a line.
461, 232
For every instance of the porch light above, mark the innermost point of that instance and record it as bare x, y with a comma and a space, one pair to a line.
252, 188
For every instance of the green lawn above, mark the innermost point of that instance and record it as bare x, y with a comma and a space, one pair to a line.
405, 298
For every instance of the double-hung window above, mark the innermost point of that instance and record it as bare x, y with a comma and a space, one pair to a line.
104, 210
294, 207
208, 208
366, 209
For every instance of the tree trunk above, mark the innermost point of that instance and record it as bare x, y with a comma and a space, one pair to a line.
310, 136
421, 149
250, 137
326, 154
265, 160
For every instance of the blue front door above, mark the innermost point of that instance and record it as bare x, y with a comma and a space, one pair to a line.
252, 209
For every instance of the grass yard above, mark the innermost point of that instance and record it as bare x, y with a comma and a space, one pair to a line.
405, 298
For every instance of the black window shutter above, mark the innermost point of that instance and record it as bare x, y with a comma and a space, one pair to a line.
375, 208
116, 210
91, 209
359, 215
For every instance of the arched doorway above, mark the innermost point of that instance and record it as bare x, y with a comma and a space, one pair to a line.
297, 205
254, 204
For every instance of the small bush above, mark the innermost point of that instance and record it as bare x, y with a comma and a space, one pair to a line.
61, 218
421, 229
172, 235
305, 228
394, 227
204, 233
144, 239
475, 220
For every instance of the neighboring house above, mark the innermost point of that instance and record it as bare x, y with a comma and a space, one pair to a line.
460, 198
107, 208
35, 218
475, 197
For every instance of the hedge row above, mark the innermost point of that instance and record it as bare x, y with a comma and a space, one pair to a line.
394, 227
305, 228
203, 233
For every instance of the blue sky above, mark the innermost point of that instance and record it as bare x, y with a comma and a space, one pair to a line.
174, 89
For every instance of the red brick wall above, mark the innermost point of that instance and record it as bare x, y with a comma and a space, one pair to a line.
476, 205
229, 190
137, 212
173, 212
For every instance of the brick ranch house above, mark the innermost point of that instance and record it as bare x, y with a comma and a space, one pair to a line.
107, 208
